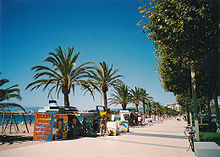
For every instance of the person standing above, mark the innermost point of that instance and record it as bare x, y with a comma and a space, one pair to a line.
102, 126
139, 120
95, 125
131, 119
85, 127
30, 121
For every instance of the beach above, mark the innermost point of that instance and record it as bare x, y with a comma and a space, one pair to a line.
162, 139
17, 139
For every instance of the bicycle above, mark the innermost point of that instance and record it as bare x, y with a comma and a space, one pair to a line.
189, 133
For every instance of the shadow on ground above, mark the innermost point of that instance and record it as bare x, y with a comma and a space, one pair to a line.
157, 135
11, 139
147, 144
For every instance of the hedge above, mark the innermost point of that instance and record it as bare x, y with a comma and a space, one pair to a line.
210, 137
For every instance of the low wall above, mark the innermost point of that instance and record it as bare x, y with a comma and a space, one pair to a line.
207, 149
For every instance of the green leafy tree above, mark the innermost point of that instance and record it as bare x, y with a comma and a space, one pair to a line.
121, 96
62, 74
104, 77
186, 30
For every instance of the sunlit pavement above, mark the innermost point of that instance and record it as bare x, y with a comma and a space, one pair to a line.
164, 139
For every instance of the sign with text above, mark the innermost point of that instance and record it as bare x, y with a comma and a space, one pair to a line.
43, 127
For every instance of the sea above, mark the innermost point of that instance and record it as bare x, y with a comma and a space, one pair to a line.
28, 117
19, 118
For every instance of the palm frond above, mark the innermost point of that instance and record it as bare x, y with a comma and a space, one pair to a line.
52, 60
10, 92
56, 58
3, 81
17, 96
75, 57
63, 75
121, 95
40, 68
3, 105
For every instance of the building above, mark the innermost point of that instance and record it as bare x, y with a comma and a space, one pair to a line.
174, 106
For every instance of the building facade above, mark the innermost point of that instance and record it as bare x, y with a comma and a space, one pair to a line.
174, 106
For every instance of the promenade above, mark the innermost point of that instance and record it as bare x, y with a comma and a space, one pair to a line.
164, 139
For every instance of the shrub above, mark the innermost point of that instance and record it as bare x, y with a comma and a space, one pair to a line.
210, 137
205, 127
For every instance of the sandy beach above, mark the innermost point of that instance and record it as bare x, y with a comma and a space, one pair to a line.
162, 139
21, 138
22, 130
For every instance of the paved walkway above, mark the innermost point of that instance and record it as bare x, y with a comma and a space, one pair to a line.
161, 140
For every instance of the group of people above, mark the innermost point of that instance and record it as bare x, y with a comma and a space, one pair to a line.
93, 126
138, 119
97, 126
135, 119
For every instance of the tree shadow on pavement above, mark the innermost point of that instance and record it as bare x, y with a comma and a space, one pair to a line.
151, 144
157, 135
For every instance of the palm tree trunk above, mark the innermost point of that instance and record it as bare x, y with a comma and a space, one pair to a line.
144, 108
136, 107
124, 106
66, 100
105, 100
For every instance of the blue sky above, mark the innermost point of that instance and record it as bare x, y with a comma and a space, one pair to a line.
101, 30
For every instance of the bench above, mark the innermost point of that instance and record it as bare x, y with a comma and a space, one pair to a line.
207, 149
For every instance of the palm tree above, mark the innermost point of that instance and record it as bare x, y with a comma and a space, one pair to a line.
157, 109
166, 111
8, 93
64, 74
121, 96
145, 98
136, 97
104, 77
